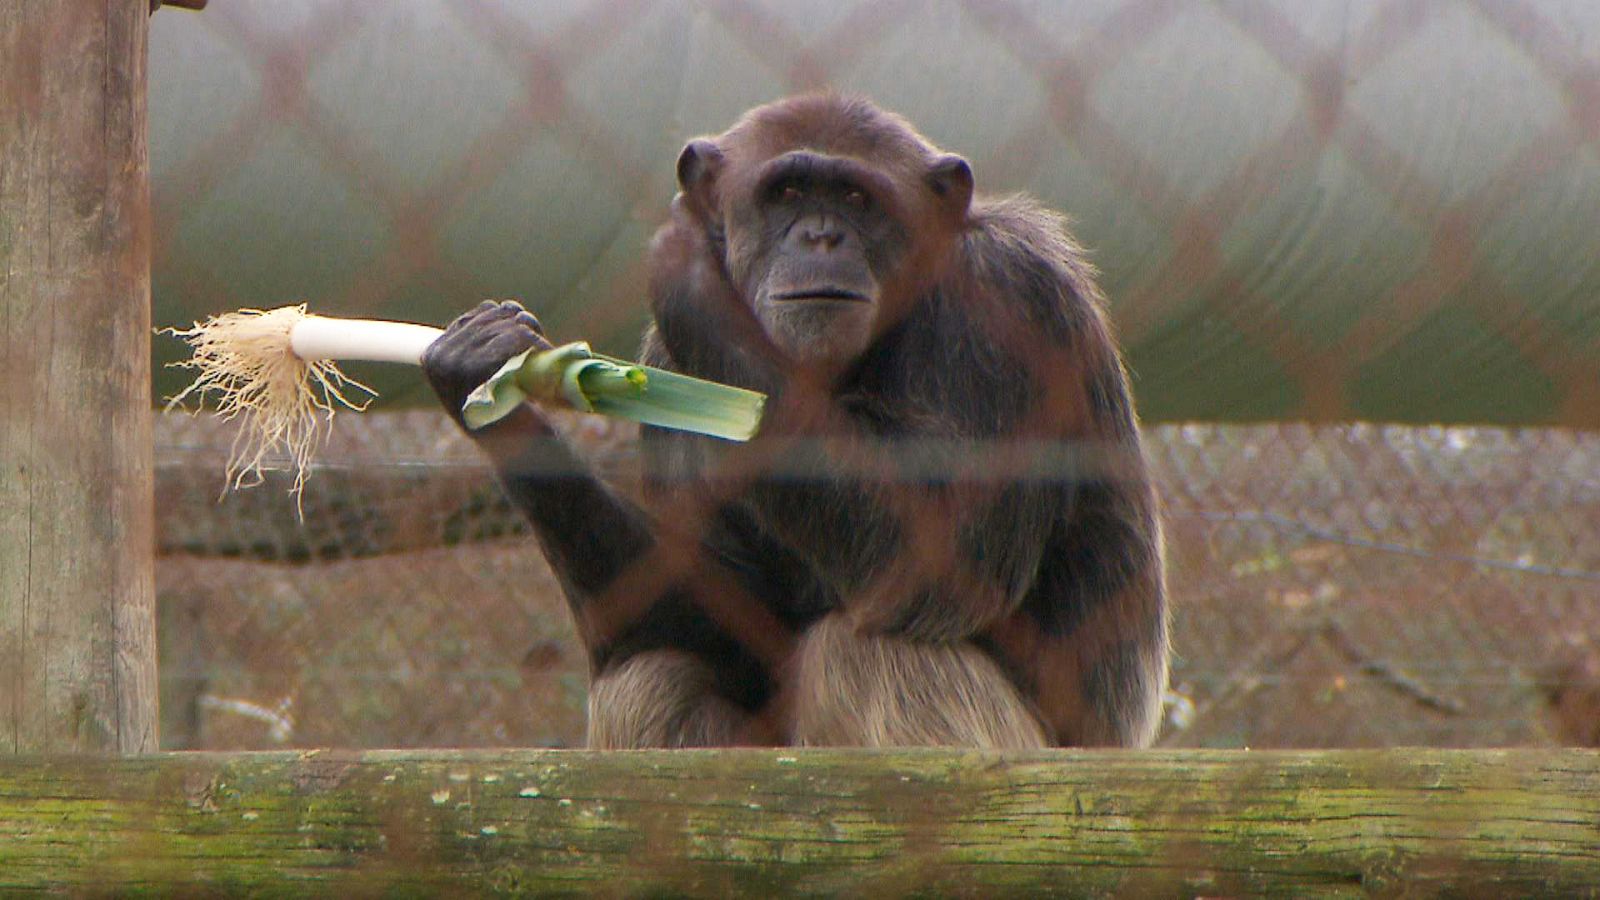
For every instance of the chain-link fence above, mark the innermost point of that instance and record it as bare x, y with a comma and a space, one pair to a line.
1322, 210
1332, 586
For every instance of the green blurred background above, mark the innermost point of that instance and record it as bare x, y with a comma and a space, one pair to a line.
1324, 210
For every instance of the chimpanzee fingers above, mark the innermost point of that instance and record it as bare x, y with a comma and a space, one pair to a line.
491, 310
506, 311
508, 342
530, 321
471, 317
491, 317
510, 317
476, 345
488, 309
519, 313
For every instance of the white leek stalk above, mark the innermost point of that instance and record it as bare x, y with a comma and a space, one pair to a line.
368, 340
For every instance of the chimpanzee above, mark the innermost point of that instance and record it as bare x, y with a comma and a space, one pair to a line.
945, 531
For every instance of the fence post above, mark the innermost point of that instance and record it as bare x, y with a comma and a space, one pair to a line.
77, 592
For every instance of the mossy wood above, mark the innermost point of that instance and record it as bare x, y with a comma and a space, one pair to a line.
854, 823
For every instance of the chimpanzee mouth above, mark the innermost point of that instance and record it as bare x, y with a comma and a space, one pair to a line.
824, 294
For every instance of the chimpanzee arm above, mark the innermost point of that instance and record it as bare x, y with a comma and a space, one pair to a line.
706, 328
588, 531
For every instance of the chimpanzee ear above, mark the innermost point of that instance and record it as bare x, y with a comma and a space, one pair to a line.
698, 166
951, 180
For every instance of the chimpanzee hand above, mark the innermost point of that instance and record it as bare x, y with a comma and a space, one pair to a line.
475, 346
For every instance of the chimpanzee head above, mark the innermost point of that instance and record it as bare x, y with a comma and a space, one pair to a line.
831, 217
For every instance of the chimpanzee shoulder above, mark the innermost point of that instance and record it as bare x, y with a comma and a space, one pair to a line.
1023, 254
1016, 289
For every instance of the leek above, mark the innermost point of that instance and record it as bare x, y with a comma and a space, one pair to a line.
575, 376
275, 369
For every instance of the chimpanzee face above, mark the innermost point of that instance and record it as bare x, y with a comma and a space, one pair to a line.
817, 243
813, 258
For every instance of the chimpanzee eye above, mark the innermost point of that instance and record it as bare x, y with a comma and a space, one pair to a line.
856, 199
790, 194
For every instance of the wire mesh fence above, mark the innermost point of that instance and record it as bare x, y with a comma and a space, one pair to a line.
1332, 586
1308, 243
1326, 210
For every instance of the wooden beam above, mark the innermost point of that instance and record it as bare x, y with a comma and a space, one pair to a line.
779, 823
77, 627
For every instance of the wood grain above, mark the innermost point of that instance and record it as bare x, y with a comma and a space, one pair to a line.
77, 628
808, 823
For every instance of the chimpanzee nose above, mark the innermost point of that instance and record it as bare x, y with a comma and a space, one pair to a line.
821, 233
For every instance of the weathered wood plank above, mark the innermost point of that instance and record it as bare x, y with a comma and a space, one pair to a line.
77, 607
1419, 822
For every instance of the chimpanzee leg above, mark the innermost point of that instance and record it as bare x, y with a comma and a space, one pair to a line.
867, 690
662, 698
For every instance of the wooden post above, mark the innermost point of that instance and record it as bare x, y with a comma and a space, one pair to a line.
77, 627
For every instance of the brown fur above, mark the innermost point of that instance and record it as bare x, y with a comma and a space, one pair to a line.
661, 699
866, 690
961, 546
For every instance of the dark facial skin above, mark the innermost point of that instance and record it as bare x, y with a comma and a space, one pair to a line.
823, 248
822, 242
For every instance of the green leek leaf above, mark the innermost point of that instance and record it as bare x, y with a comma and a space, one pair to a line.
575, 377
